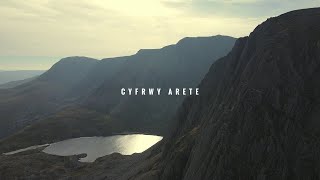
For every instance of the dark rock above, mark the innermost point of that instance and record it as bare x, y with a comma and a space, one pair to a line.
258, 113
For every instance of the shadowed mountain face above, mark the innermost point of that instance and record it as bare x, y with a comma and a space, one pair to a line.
44, 95
175, 66
82, 96
8, 76
257, 116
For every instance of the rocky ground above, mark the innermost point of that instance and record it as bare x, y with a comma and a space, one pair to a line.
257, 118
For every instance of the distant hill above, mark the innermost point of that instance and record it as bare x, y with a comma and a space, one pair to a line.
257, 118
29, 102
9, 76
81, 97
181, 65
13, 84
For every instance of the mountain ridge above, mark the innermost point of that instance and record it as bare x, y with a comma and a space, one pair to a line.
259, 121
257, 117
94, 88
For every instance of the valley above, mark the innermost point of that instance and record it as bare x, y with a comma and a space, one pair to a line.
80, 96
255, 116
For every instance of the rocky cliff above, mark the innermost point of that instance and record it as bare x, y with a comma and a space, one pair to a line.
257, 117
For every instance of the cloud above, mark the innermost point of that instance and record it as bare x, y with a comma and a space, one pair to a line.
104, 28
239, 8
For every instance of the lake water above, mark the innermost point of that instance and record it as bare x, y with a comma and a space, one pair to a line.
96, 147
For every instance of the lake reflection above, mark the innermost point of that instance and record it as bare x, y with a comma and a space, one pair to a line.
96, 147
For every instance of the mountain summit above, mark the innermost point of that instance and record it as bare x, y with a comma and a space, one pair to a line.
257, 116
81, 96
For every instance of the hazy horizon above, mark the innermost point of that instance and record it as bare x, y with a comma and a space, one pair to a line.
48, 30
18, 63
15, 63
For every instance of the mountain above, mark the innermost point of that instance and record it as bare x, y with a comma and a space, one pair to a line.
257, 116
176, 66
86, 100
29, 102
13, 84
8, 76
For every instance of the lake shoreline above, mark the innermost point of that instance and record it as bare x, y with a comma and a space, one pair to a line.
96, 146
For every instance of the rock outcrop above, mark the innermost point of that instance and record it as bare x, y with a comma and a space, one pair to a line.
258, 114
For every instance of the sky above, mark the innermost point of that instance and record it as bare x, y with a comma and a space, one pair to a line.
36, 33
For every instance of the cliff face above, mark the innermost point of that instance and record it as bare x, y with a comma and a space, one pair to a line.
258, 113
257, 116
